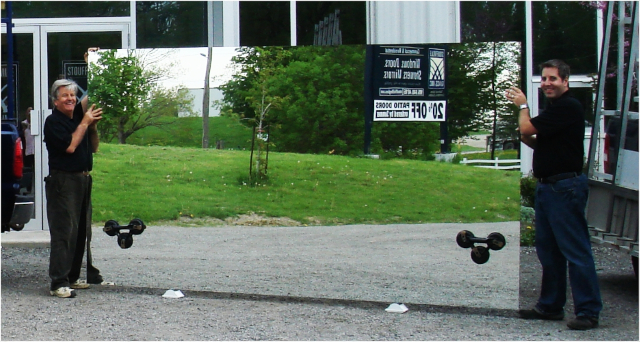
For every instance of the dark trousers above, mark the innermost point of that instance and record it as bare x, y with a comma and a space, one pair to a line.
69, 216
29, 160
562, 242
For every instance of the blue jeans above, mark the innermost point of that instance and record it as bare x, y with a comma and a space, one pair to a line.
562, 238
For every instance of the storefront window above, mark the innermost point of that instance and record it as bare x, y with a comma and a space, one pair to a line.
22, 74
265, 23
568, 31
166, 24
492, 21
352, 23
70, 9
564, 29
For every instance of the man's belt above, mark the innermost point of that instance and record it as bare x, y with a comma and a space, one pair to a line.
558, 177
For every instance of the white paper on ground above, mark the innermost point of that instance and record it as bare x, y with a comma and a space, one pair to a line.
397, 308
173, 294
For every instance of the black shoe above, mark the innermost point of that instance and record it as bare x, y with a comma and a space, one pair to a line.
536, 313
583, 323
95, 279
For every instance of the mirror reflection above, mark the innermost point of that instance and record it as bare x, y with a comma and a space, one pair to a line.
284, 135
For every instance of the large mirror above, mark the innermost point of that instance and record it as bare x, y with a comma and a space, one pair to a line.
284, 197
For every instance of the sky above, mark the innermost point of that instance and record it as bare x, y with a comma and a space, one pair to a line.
189, 65
190, 69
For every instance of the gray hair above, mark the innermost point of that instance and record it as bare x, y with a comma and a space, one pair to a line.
62, 83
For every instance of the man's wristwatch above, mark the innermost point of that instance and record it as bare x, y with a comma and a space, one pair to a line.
524, 106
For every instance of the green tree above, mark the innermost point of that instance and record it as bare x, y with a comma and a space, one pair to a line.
320, 105
165, 102
467, 83
259, 173
505, 73
129, 95
250, 63
479, 75
262, 99
322, 108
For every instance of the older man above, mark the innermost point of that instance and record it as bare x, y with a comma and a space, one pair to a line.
71, 136
562, 236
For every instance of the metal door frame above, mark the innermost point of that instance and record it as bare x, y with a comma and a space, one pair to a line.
40, 28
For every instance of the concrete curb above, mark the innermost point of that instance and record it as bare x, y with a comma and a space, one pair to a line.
26, 239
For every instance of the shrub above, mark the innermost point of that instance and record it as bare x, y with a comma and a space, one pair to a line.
527, 211
527, 226
528, 191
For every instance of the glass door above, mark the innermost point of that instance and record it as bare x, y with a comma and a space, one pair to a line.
63, 52
26, 71
43, 54
25, 47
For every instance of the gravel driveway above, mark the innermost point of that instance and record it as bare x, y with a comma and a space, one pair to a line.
304, 283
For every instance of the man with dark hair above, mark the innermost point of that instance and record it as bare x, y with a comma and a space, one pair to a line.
71, 136
562, 237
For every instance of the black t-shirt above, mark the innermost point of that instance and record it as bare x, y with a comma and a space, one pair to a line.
560, 137
58, 129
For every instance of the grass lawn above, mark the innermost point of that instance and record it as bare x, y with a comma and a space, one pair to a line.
165, 183
500, 154
187, 132
465, 148
479, 133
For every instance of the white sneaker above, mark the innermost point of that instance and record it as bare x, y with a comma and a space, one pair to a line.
63, 292
80, 285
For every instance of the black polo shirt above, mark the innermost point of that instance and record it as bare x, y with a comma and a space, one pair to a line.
58, 129
560, 137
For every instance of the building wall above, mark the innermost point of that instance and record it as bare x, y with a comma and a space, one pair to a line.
196, 103
400, 22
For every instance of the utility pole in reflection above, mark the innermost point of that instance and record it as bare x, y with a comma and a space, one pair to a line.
205, 102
